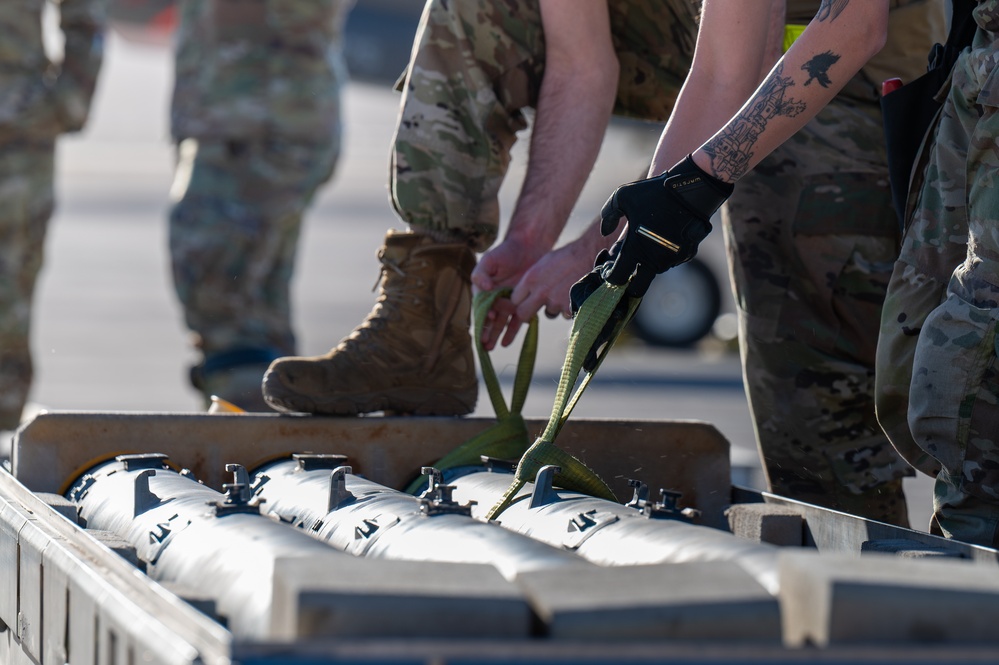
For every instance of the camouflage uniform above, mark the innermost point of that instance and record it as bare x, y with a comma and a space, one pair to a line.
256, 112
476, 67
38, 101
811, 237
937, 360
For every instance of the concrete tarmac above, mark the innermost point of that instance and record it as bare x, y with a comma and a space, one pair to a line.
108, 331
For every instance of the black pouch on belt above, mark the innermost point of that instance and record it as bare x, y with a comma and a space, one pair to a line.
909, 111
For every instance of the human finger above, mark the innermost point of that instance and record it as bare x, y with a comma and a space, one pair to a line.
512, 328
498, 318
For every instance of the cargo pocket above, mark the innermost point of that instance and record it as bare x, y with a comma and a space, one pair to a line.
954, 397
912, 295
843, 248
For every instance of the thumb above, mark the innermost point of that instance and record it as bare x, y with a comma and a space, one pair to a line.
483, 276
610, 216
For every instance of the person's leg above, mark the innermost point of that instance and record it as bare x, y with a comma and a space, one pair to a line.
233, 236
26, 204
954, 398
811, 236
935, 242
475, 67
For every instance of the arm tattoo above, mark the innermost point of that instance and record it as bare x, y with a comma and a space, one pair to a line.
818, 68
830, 9
731, 149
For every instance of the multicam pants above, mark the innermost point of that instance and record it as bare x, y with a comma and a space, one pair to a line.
26, 204
939, 394
811, 238
233, 237
478, 65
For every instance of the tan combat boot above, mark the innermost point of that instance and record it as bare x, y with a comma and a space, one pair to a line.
412, 354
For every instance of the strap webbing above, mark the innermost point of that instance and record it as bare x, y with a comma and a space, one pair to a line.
590, 320
508, 438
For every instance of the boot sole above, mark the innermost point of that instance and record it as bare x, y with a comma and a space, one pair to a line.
417, 401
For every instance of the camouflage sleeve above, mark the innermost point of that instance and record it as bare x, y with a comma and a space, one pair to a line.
83, 23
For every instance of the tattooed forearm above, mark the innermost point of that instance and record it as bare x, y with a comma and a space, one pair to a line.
830, 9
731, 150
818, 68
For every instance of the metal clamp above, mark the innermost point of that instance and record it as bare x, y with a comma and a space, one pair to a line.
439, 497
339, 495
666, 508
237, 494
544, 487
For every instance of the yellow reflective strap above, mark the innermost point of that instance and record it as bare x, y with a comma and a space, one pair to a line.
791, 34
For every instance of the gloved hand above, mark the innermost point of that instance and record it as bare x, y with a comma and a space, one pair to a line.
668, 216
590, 282
582, 290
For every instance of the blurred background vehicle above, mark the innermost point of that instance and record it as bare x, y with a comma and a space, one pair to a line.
681, 307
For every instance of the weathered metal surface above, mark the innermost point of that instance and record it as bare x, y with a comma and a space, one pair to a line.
879, 598
713, 601
832, 531
97, 608
52, 450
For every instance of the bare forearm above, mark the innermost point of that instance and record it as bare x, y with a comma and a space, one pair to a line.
564, 148
729, 135
837, 43
574, 105
733, 44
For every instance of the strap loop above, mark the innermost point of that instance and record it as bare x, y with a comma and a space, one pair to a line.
508, 438
590, 320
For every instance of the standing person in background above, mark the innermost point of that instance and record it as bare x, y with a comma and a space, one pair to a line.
812, 237
256, 116
39, 100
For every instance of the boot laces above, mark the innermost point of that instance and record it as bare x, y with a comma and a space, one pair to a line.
402, 298
387, 263
396, 294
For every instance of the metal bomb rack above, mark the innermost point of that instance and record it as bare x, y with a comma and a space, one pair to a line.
259, 538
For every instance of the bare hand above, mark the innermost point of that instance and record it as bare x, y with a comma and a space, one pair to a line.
545, 284
503, 266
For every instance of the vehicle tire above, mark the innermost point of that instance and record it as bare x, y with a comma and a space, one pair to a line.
680, 307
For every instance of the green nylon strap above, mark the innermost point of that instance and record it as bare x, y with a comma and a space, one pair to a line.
590, 320
508, 438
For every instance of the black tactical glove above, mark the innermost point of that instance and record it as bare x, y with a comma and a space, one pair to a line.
585, 287
667, 217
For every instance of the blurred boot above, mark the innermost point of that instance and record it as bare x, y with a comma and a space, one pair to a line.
412, 354
235, 376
